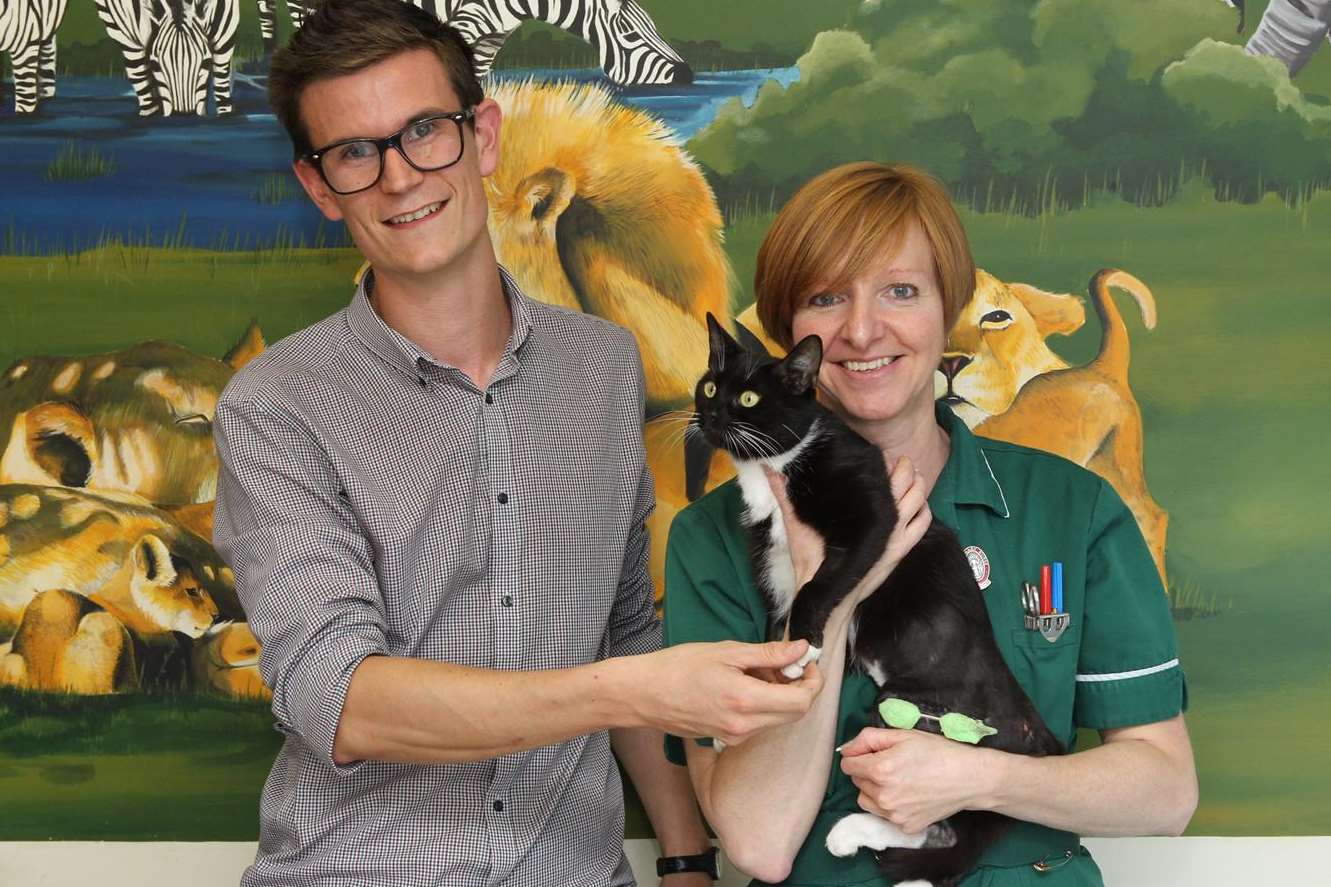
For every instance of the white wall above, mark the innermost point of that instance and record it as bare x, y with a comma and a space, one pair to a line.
1127, 862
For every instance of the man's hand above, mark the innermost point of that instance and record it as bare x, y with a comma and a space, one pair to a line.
719, 690
911, 778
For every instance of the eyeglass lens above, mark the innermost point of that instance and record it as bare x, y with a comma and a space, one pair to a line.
428, 145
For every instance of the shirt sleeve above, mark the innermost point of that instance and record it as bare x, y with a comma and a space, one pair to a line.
1128, 672
304, 571
705, 600
633, 627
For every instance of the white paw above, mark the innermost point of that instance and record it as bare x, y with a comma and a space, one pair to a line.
866, 830
796, 669
915, 884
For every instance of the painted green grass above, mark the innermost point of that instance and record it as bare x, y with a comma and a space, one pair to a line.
76, 163
107, 298
113, 768
277, 187
1231, 385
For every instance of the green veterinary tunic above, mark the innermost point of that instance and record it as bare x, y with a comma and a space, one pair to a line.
1014, 509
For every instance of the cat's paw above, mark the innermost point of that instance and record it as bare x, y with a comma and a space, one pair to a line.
866, 830
796, 669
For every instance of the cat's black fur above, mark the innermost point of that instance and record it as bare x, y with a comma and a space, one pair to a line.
925, 631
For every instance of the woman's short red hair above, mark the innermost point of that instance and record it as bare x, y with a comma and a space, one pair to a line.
843, 222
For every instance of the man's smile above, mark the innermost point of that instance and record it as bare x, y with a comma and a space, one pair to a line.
416, 215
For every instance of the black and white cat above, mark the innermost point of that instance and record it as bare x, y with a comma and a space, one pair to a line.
923, 636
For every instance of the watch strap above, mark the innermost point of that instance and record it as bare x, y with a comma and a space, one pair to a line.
701, 862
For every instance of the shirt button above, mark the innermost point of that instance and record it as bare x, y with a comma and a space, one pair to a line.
488, 398
508, 600
503, 498
499, 806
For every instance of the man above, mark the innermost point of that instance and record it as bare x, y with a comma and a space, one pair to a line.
434, 502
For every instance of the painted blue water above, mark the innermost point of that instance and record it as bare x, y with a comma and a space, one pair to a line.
198, 180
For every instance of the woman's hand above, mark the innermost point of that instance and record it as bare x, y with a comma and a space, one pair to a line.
911, 778
913, 519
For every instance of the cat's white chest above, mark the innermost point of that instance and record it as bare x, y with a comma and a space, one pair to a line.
778, 571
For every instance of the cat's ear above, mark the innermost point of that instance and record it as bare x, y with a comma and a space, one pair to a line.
751, 342
799, 370
719, 345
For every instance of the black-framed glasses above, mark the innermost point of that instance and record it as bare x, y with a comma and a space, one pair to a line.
429, 144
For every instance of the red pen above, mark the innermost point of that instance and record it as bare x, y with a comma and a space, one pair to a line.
1046, 591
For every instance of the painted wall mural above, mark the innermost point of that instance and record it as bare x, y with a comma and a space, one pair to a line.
1166, 165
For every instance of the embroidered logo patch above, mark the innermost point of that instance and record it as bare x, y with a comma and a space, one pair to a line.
979, 562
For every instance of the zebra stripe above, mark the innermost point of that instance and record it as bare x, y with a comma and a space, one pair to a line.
298, 10
630, 50
172, 48
27, 33
267, 22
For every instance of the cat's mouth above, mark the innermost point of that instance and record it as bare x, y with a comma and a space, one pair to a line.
416, 215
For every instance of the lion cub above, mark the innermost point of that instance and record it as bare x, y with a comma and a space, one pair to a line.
134, 561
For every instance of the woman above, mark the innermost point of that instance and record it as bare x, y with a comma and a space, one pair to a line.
873, 259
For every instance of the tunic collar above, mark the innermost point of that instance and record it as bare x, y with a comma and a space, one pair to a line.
967, 478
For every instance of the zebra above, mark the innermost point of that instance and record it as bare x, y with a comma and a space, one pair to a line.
1291, 31
27, 33
171, 47
298, 10
631, 51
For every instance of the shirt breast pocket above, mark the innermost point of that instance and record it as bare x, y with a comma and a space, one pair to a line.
1048, 673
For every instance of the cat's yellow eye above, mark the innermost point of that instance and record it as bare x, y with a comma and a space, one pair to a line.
709, 389
749, 398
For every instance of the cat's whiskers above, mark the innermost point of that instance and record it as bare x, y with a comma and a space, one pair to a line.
771, 442
740, 445
764, 444
750, 436
692, 430
679, 425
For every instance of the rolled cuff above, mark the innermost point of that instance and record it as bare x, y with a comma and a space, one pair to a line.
1127, 699
644, 639
310, 702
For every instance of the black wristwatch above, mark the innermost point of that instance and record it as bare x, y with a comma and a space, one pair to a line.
703, 862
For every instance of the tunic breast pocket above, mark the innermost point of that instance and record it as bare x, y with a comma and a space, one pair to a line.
1048, 673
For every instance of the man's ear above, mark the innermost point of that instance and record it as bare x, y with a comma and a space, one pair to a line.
799, 369
317, 188
488, 120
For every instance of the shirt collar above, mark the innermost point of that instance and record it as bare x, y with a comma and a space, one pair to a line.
968, 478
405, 355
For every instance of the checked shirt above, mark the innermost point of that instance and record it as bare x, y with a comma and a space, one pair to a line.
374, 501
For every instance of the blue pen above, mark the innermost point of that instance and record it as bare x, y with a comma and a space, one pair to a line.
1058, 587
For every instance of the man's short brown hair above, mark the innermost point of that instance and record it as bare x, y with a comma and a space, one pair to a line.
844, 221
345, 36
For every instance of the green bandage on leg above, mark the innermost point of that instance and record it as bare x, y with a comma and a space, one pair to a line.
904, 715
964, 729
899, 713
